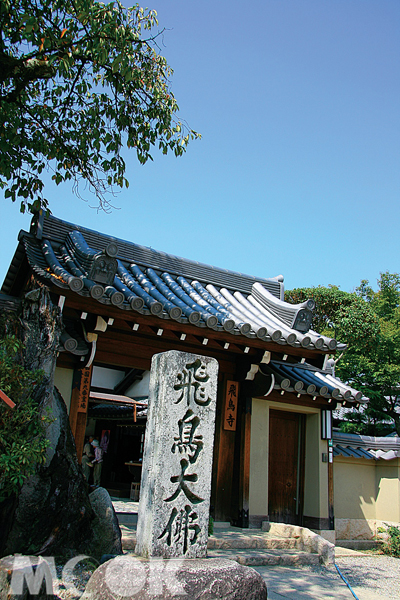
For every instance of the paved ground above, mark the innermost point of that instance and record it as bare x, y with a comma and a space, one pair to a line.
303, 583
123, 505
372, 577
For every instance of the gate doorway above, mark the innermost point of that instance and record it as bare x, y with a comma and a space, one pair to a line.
286, 467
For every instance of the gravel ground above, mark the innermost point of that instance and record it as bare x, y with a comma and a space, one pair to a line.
72, 585
375, 572
378, 573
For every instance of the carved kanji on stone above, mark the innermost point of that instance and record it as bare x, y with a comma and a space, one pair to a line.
187, 441
180, 526
182, 481
191, 384
174, 504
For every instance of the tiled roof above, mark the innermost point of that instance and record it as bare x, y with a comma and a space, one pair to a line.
135, 278
110, 411
9, 303
364, 446
302, 378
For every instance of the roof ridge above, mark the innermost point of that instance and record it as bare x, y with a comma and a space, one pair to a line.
56, 229
366, 440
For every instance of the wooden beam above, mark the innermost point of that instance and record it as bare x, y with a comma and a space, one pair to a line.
89, 305
304, 400
121, 360
79, 406
138, 346
223, 464
244, 462
194, 342
67, 360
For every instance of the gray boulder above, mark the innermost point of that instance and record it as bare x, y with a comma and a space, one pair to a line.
25, 577
51, 515
105, 527
136, 578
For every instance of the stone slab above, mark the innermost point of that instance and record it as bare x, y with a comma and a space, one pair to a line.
308, 540
174, 579
256, 558
175, 492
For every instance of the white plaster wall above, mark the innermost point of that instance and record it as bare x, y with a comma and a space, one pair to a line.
355, 488
388, 490
316, 471
63, 381
367, 495
106, 378
139, 388
312, 475
258, 495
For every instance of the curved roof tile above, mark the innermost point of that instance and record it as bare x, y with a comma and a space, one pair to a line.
151, 282
364, 446
306, 379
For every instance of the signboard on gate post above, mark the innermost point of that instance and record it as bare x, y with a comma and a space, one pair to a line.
231, 400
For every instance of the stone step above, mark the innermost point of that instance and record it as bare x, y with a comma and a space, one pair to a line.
259, 558
282, 544
128, 538
357, 544
243, 541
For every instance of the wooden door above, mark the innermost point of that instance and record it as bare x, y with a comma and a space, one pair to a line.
285, 467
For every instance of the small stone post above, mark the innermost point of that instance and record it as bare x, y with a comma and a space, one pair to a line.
176, 474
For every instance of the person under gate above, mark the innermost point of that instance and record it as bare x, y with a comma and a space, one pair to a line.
87, 457
97, 463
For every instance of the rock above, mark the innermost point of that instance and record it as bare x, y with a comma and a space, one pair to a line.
25, 577
52, 514
135, 578
106, 531
174, 504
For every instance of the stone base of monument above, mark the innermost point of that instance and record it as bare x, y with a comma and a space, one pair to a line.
137, 578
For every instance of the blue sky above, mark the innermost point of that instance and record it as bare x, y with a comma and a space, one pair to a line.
298, 168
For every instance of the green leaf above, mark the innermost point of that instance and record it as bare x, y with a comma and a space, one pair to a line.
91, 88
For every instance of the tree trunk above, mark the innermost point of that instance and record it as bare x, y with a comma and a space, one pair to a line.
52, 515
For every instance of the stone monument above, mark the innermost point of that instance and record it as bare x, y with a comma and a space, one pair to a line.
175, 497
176, 474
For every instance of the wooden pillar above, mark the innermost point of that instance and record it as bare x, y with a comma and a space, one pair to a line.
79, 406
224, 449
244, 462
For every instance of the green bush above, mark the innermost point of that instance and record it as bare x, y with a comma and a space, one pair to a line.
391, 545
210, 525
23, 442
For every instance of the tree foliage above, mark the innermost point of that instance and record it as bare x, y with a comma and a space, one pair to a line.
80, 79
342, 315
22, 435
390, 542
369, 322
